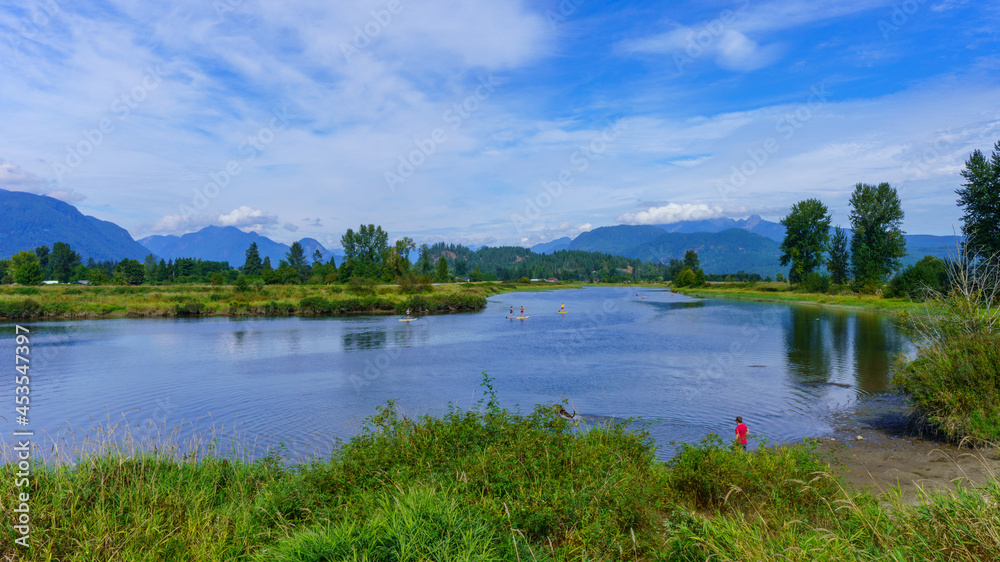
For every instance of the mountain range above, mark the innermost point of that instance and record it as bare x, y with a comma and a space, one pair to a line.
724, 245
229, 244
28, 221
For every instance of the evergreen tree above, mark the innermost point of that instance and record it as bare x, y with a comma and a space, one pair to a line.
252, 266
441, 275
980, 199
692, 260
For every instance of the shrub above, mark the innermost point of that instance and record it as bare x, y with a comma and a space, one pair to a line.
814, 282
189, 308
315, 305
956, 385
930, 273
27, 308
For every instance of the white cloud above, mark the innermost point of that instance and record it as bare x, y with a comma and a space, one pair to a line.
247, 219
244, 218
671, 213
13, 178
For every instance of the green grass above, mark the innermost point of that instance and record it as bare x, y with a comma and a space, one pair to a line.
783, 293
484, 484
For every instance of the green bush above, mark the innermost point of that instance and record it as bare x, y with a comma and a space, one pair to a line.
27, 308
315, 305
914, 282
956, 385
814, 282
189, 308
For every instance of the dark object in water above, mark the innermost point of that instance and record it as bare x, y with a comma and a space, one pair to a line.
756, 365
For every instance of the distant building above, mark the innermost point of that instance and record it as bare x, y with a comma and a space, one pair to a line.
50, 282
551, 280
80, 282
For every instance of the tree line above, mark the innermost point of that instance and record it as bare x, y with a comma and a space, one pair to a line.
872, 252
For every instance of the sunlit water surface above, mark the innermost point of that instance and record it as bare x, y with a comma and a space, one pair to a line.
686, 366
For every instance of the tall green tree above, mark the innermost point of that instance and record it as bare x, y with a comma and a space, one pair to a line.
425, 261
839, 263
980, 200
296, 259
129, 272
807, 236
399, 257
252, 265
692, 260
63, 261
877, 244
365, 252
149, 264
43, 254
441, 275
26, 268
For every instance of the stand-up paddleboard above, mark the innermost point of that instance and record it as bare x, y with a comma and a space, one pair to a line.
563, 312
407, 319
523, 317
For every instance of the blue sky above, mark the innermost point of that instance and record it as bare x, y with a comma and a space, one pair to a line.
491, 122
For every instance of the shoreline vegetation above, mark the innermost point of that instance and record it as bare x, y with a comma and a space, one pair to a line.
486, 484
167, 301
146, 301
779, 292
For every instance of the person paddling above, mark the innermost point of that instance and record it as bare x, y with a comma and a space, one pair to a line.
511, 311
407, 313
522, 311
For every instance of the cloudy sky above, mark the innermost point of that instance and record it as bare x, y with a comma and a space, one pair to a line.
490, 121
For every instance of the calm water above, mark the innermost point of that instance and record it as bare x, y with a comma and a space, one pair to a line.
690, 366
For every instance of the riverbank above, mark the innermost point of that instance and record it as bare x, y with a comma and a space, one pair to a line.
896, 454
144, 301
782, 293
487, 484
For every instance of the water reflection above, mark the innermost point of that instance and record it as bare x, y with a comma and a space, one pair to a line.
874, 349
824, 346
363, 339
807, 354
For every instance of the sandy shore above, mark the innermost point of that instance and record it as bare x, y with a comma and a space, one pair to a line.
892, 453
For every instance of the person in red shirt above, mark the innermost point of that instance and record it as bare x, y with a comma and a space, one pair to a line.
741, 433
